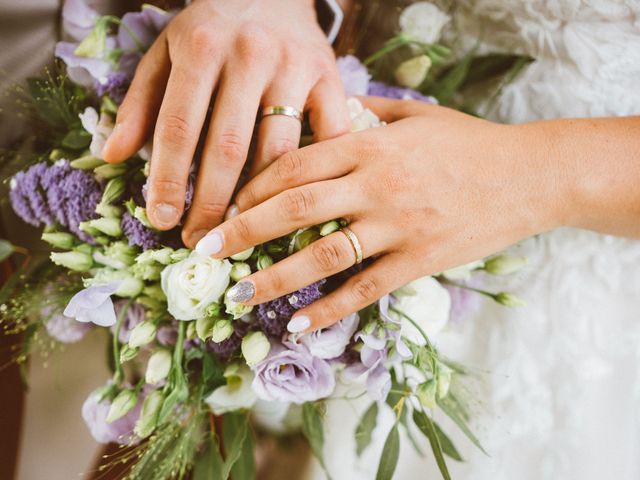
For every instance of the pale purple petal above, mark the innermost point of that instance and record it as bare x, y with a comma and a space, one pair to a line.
78, 19
94, 304
331, 342
379, 383
84, 71
354, 75
145, 25
94, 413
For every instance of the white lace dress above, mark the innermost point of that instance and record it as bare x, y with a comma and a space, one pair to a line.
560, 391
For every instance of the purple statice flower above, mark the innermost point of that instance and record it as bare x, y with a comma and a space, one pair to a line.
135, 315
94, 413
274, 315
94, 305
137, 234
115, 85
227, 348
48, 194
65, 329
379, 89
355, 76
331, 342
291, 374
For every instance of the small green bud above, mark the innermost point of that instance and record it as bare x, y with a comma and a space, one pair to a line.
87, 228
426, 393
148, 420
305, 239
240, 270
242, 256
124, 402
56, 154
141, 214
158, 367
264, 261
508, 300
142, 334
59, 240
444, 380
109, 211
108, 226
213, 310
236, 309
411, 73
77, 261
149, 271
329, 227
127, 353
113, 191
222, 330
505, 264
130, 287
204, 327
111, 170
180, 255
152, 303
191, 333
87, 163
255, 347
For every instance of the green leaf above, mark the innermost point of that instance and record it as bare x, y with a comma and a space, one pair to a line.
447, 445
208, 464
245, 466
235, 428
456, 412
389, 457
77, 139
6, 249
365, 428
445, 88
313, 430
424, 423
212, 374
488, 66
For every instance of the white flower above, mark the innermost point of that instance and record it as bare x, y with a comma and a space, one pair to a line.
193, 284
99, 127
236, 394
277, 417
411, 73
423, 21
427, 303
463, 272
361, 118
158, 367
255, 347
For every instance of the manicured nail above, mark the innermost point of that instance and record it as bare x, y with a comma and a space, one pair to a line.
105, 147
299, 324
210, 244
197, 236
241, 292
165, 215
232, 211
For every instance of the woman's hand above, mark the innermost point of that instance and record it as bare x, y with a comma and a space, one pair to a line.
432, 190
252, 54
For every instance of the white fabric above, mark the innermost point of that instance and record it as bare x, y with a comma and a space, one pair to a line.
560, 390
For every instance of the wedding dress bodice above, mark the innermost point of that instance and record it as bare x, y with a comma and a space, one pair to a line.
559, 396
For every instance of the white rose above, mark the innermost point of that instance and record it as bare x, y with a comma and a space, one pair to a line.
236, 394
463, 272
193, 284
427, 303
423, 21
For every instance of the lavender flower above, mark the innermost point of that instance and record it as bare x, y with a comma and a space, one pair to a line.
379, 89
115, 85
137, 234
354, 75
273, 316
291, 374
94, 413
331, 342
65, 329
50, 194
94, 304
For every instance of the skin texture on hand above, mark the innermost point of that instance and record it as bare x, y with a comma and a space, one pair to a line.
252, 55
432, 190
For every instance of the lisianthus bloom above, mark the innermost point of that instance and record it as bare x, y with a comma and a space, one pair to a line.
236, 394
291, 374
354, 75
329, 343
94, 413
423, 22
94, 304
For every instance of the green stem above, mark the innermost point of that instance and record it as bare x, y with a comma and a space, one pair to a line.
467, 287
389, 46
119, 373
415, 324
178, 353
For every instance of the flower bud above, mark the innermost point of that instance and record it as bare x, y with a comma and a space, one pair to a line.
142, 334
242, 256
141, 215
426, 393
264, 261
149, 271
236, 309
329, 227
158, 367
222, 330
122, 252
121, 405
411, 73
111, 170
78, 261
130, 287
155, 291
87, 163
180, 255
305, 239
87, 228
509, 300
444, 380
108, 226
505, 264
239, 271
255, 348
59, 240
204, 327
56, 154
191, 333
108, 211
213, 310
148, 419
113, 191
127, 353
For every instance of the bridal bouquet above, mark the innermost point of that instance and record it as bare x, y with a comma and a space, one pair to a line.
192, 369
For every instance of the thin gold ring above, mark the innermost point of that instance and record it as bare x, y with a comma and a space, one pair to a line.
285, 110
355, 243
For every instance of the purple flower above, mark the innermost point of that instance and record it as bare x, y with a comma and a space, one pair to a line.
354, 74
137, 234
65, 329
273, 316
226, 349
331, 342
464, 302
50, 194
379, 89
135, 315
85, 71
94, 304
140, 29
94, 413
78, 19
291, 374
115, 85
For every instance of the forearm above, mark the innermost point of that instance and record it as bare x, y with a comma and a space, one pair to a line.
595, 166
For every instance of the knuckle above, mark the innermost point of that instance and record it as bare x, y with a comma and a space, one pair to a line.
272, 283
253, 42
327, 255
329, 312
166, 187
201, 40
241, 228
288, 167
211, 209
365, 290
230, 145
174, 130
297, 204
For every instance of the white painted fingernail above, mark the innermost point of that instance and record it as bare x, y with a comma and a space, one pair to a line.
232, 211
210, 244
299, 324
165, 215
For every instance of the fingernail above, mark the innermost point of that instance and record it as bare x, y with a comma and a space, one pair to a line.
241, 292
299, 324
107, 142
210, 244
232, 211
165, 215
197, 236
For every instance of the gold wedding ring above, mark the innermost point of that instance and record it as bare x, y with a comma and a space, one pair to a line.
285, 110
355, 243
